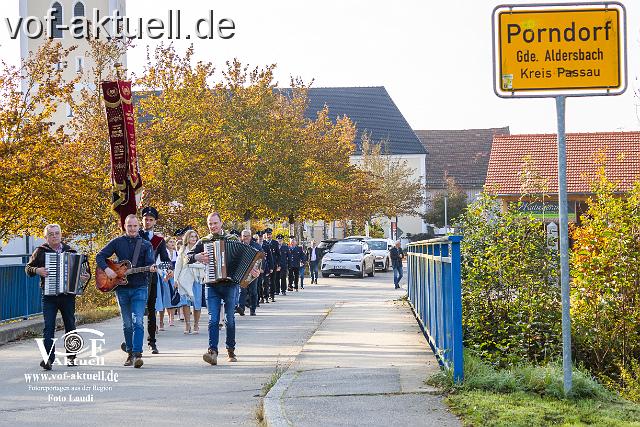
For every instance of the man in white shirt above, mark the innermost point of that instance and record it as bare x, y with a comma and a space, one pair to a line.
314, 260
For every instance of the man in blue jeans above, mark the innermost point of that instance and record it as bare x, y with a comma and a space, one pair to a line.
217, 294
132, 297
396, 261
66, 303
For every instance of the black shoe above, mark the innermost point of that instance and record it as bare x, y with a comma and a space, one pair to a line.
241, 311
284, 293
123, 347
252, 313
71, 360
46, 366
129, 361
137, 360
153, 348
273, 300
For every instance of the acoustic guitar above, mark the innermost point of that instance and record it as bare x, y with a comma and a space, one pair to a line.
122, 270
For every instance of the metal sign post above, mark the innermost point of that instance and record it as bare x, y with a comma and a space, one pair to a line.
564, 246
558, 50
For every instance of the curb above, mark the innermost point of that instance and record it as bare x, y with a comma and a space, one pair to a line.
273, 405
15, 330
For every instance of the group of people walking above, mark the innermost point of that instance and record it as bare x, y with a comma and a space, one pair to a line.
176, 282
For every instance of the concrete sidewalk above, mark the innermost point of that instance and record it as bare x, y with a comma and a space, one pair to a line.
355, 356
365, 365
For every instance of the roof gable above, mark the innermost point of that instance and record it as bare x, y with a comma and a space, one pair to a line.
372, 110
622, 151
460, 154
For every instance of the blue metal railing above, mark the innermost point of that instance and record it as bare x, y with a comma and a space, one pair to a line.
433, 282
19, 294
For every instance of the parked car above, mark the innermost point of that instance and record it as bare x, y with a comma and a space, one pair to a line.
348, 257
358, 238
380, 250
325, 246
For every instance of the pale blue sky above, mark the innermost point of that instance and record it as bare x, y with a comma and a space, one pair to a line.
434, 58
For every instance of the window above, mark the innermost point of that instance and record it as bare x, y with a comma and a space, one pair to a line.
56, 33
78, 9
78, 17
79, 64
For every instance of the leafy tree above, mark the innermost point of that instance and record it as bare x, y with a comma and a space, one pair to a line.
605, 292
34, 178
397, 192
456, 204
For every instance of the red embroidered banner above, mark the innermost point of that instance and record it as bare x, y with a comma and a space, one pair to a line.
130, 132
125, 176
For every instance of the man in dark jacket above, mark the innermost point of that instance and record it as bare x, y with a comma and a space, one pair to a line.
296, 260
396, 260
149, 220
272, 245
132, 298
252, 289
284, 265
65, 303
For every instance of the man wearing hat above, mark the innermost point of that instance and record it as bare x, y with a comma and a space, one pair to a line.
284, 265
270, 265
275, 275
149, 220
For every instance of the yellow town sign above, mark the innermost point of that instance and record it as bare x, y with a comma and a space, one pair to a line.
548, 50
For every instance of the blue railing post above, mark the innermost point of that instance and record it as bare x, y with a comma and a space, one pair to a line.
434, 290
456, 304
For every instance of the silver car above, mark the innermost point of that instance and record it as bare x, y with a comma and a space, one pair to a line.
348, 257
380, 250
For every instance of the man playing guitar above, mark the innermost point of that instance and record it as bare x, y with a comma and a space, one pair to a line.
132, 297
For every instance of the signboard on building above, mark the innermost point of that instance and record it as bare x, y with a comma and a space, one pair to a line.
546, 211
550, 49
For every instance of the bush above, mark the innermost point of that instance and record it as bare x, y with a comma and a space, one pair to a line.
605, 292
510, 293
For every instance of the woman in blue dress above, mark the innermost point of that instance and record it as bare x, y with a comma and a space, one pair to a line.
189, 279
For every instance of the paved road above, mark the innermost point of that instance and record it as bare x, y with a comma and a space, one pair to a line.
176, 386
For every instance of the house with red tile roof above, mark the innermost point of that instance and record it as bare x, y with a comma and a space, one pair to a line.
525, 168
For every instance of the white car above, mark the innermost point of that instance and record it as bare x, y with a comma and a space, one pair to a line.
348, 257
380, 250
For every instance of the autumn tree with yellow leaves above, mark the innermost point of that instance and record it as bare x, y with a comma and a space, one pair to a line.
35, 180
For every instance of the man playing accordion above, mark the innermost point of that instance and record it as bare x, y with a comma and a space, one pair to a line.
216, 295
65, 302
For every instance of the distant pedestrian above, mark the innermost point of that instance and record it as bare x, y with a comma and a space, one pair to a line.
296, 260
313, 255
396, 260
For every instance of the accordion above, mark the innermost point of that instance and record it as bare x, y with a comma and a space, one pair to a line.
231, 261
64, 273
